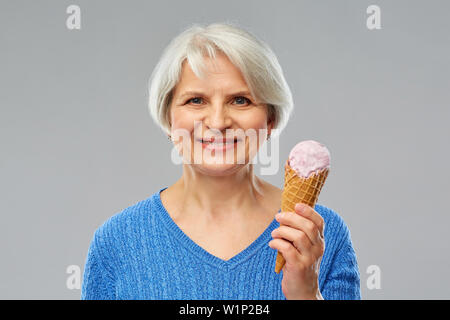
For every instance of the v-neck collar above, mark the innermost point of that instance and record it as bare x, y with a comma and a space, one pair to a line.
202, 253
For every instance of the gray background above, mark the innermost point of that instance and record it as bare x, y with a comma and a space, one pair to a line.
78, 144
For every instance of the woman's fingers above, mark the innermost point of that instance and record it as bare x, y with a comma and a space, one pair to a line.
298, 238
310, 214
287, 249
299, 222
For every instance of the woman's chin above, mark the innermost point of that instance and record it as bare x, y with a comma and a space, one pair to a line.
219, 169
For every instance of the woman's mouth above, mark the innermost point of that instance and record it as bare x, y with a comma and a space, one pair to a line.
223, 144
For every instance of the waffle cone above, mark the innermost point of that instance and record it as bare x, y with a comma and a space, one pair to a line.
299, 189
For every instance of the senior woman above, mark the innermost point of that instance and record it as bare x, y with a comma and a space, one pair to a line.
214, 233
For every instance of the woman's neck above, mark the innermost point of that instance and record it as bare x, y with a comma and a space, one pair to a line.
219, 197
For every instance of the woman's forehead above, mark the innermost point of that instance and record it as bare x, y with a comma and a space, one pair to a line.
220, 67
213, 83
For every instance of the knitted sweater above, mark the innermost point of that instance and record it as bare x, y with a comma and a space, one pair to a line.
141, 253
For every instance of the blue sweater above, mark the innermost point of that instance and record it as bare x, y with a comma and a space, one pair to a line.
141, 253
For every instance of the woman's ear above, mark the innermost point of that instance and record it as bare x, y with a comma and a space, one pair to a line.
270, 120
269, 128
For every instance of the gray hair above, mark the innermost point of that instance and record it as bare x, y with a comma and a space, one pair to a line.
253, 57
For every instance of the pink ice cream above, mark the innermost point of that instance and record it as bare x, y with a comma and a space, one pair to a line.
308, 157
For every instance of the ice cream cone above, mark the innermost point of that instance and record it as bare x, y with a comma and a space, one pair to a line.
299, 189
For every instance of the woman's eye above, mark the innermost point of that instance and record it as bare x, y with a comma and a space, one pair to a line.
193, 100
243, 99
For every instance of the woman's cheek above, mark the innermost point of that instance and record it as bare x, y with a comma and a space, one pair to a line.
182, 127
181, 122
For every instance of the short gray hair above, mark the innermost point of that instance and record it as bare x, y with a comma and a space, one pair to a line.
253, 57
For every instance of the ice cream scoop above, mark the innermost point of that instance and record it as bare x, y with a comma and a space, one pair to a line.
309, 156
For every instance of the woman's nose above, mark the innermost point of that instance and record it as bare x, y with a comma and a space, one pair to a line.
217, 118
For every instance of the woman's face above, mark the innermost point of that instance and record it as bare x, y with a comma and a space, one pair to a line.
210, 119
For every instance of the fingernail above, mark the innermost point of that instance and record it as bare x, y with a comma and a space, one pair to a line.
278, 215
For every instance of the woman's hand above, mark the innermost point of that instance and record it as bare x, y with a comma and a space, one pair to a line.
300, 239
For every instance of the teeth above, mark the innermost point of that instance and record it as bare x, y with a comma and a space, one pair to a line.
209, 142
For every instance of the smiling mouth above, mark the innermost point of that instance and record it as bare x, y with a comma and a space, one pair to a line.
218, 142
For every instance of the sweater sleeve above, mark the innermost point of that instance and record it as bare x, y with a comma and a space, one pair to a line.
98, 282
343, 279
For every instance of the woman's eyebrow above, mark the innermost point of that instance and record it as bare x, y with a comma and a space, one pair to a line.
198, 93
